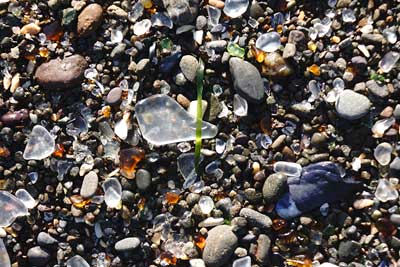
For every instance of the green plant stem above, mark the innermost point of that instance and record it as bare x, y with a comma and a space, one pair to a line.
199, 82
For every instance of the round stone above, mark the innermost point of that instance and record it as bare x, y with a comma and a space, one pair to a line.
114, 96
143, 179
274, 187
220, 245
127, 244
351, 105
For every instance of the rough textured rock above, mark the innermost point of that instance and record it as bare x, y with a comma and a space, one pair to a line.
181, 11
89, 19
351, 105
263, 247
220, 244
246, 80
61, 73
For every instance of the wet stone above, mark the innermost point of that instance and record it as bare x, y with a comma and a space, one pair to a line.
89, 19
59, 73
351, 105
246, 80
89, 185
220, 245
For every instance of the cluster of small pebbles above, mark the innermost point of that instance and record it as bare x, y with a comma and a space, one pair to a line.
300, 156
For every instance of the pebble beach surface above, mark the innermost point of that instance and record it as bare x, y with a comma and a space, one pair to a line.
296, 104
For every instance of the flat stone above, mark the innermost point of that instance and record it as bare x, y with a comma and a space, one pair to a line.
189, 65
256, 218
114, 96
221, 242
246, 80
89, 19
89, 185
274, 187
62, 73
351, 105
127, 244
38, 256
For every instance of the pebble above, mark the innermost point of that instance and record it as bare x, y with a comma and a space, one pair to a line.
116, 11
289, 51
256, 218
114, 96
89, 19
31, 28
89, 185
351, 105
38, 256
395, 218
274, 187
246, 80
44, 239
127, 244
378, 90
221, 242
14, 117
263, 248
189, 65
182, 12
61, 73
348, 250
143, 179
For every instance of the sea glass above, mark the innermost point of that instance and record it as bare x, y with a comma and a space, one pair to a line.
163, 121
269, 42
40, 144
4, 258
77, 261
112, 192
10, 208
235, 8
385, 191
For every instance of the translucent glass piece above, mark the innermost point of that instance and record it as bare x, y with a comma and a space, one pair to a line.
269, 42
77, 261
288, 168
235, 8
163, 121
390, 34
187, 169
382, 153
10, 208
4, 258
389, 60
112, 192
161, 20
40, 144
213, 15
26, 198
206, 204
142, 27
116, 36
240, 106
380, 127
220, 146
385, 191
348, 15
242, 262
136, 13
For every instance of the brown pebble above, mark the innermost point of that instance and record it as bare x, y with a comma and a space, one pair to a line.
362, 203
387, 112
61, 73
89, 19
30, 28
183, 100
216, 3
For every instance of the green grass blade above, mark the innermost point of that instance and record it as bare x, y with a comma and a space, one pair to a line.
199, 83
